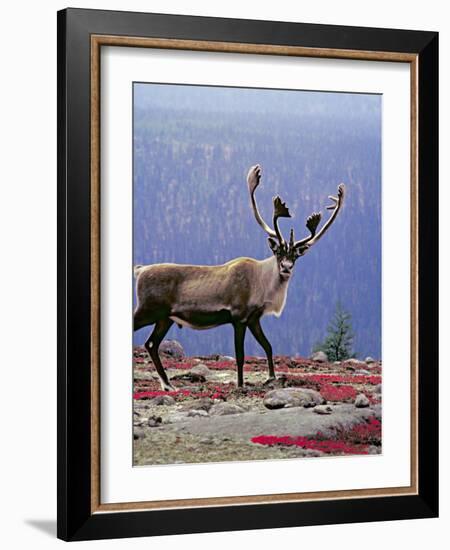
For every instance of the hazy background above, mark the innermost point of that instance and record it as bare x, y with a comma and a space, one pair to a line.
192, 150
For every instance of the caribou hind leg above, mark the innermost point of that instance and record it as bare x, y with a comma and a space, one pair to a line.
239, 337
257, 331
152, 344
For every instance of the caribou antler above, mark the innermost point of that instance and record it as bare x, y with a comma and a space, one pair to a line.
280, 209
313, 221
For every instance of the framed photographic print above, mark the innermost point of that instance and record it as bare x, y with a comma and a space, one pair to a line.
247, 274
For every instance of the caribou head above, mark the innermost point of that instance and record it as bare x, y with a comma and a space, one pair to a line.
288, 252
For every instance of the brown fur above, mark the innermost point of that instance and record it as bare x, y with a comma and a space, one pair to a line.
201, 296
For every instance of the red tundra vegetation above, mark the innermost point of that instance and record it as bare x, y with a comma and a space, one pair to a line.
355, 440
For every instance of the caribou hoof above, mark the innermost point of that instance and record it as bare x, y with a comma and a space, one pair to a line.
270, 380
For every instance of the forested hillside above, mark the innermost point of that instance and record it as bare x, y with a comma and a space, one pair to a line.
192, 150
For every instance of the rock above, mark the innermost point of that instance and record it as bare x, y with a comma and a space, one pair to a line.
203, 404
139, 420
206, 440
376, 411
355, 362
374, 450
362, 371
319, 356
189, 377
361, 401
176, 417
221, 409
141, 406
201, 370
377, 388
163, 400
154, 421
172, 348
323, 409
292, 397
197, 412
336, 362
225, 358
369, 360
138, 433
295, 421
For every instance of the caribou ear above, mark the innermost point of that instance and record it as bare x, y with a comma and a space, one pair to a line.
274, 245
300, 250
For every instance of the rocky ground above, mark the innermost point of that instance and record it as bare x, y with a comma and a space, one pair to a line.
314, 408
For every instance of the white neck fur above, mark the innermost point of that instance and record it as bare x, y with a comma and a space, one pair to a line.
274, 286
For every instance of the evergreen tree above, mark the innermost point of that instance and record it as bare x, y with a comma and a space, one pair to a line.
339, 341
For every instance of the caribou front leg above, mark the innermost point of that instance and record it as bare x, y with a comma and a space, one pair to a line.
257, 331
239, 337
152, 345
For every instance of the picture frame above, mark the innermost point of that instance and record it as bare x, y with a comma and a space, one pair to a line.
81, 36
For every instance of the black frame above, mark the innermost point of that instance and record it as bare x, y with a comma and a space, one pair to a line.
75, 521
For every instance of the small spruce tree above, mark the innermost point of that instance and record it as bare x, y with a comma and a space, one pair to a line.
339, 341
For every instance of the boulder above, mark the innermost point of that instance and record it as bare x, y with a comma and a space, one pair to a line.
189, 377
292, 397
138, 433
163, 400
361, 401
225, 358
221, 409
201, 370
178, 416
355, 362
323, 409
195, 412
319, 356
376, 411
369, 360
202, 404
377, 388
173, 348
139, 420
362, 371
154, 421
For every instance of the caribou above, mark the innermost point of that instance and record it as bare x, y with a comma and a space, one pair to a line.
238, 292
